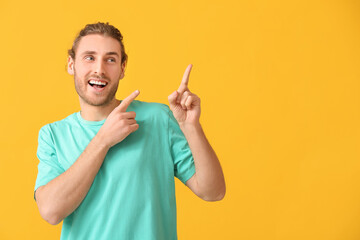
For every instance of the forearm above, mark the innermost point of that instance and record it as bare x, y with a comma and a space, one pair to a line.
61, 196
209, 175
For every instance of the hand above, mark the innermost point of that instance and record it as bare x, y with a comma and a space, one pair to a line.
119, 124
184, 104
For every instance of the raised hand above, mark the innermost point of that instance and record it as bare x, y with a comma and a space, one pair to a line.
184, 104
119, 124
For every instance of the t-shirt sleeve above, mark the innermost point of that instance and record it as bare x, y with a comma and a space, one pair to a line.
48, 167
184, 167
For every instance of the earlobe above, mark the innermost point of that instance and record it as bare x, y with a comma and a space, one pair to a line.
122, 74
70, 68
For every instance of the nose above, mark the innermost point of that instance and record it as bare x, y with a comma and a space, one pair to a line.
99, 67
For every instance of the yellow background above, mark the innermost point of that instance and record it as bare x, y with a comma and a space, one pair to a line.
279, 84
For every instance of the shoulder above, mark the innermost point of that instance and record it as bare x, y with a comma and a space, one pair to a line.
149, 108
60, 124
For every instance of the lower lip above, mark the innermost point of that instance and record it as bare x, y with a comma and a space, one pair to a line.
98, 89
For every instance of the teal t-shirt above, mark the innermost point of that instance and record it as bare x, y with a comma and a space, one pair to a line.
133, 194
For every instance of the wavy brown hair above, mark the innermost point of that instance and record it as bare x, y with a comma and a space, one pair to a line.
104, 29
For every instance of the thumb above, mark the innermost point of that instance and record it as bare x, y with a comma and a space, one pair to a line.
172, 98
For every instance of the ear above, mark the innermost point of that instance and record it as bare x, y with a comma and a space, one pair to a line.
122, 74
70, 66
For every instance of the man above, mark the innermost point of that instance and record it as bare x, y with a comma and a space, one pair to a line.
108, 170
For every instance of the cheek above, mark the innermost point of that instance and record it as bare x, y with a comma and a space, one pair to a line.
114, 72
81, 72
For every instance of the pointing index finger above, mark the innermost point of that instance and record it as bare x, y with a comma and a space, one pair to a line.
126, 102
185, 79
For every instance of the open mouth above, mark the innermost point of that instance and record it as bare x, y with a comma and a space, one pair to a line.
97, 83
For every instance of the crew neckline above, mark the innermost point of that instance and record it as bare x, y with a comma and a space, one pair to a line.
87, 122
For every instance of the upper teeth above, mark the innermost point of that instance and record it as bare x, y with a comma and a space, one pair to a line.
97, 82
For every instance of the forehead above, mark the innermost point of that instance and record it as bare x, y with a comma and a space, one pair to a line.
99, 44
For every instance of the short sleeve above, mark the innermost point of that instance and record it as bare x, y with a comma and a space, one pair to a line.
184, 167
48, 167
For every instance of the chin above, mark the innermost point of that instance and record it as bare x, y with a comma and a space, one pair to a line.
97, 102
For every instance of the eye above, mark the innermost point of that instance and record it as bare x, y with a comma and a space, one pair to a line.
112, 60
89, 58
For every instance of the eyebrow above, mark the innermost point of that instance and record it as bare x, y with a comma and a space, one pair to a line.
93, 52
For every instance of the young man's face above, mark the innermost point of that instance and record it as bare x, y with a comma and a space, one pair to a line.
97, 69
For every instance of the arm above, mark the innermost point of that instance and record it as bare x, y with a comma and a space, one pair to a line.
208, 182
62, 195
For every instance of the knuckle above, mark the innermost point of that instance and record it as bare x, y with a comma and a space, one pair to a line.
122, 115
127, 128
122, 124
119, 117
184, 99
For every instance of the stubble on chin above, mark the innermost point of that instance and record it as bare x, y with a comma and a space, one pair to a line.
99, 100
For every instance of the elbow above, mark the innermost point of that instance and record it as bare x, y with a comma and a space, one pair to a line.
47, 211
49, 216
53, 220
214, 198
218, 196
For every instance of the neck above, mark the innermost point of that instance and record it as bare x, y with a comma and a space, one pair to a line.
97, 113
